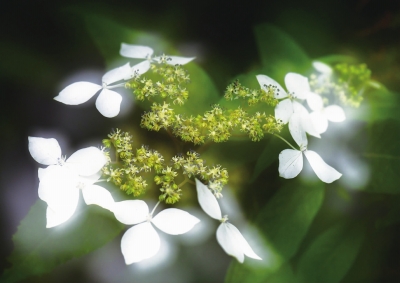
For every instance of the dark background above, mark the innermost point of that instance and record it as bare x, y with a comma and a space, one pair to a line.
44, 42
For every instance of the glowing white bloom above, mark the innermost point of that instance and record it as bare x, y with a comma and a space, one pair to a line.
291, 160
321, 115
228, 236
61, 181
108, 102
298, 88
322, 68
142, 241
145, 52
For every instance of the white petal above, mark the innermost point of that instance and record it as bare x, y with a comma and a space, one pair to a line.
297, 85
319, 121
290, 163
140, 68
109, 103
135, 51
77, 93
140, 242
322, 67
335, 113
90, 180
87, 161
241, 241
284, 110
58, 188
98, 195
117, 74
314, 101
208, 201
229, 243
131, 211
44, 151
56, 218
175, 221
306, 122
264, 81
297, 131
175, 60
325, 172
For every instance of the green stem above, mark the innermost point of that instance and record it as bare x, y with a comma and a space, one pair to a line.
285, 141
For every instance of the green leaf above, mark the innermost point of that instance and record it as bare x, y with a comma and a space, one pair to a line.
284, 223
331, 255
38, 250
383, 156
267, 156
108, 36
279, 53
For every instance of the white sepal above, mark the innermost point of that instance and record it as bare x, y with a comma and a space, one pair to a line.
325, 172
141, 68
297, 131
77, 93
290, 163
322, 67
44, 151
174, 221
56, 218
314, 101
135, 51
131, 211
297, 85
264, 80
109, 103
305, 119
97, 195
117, 74
140, 242
58, 188
87, 161
319, 121
335, 113
284, 110
175, 60
228, 242
208, 201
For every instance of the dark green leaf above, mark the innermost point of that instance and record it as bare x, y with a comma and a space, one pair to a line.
38, 250
331, 255
383, 155
284, 222
279, 53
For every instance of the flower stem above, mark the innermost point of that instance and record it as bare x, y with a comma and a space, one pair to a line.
285, 141
155, 208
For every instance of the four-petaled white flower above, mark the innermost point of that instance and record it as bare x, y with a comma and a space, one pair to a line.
320, 115
108, 102
142, 241
145, 52
298, 88
61, 181
228, 236
291, 160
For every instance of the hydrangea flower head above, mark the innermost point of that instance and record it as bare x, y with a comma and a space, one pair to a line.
61, 181
142, 241
228, 236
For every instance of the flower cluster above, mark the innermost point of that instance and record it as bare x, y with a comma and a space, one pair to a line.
127, 174
131, 168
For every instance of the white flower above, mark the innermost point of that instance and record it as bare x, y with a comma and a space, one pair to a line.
291, 161
108, 102
320, 115
298, 88
61, 181
142, 241
144, 52
228, 236
322, 68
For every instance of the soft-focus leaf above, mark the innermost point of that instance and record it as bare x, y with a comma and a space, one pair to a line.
331, 255
38, 250
279, 53
284, 222
383, 155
